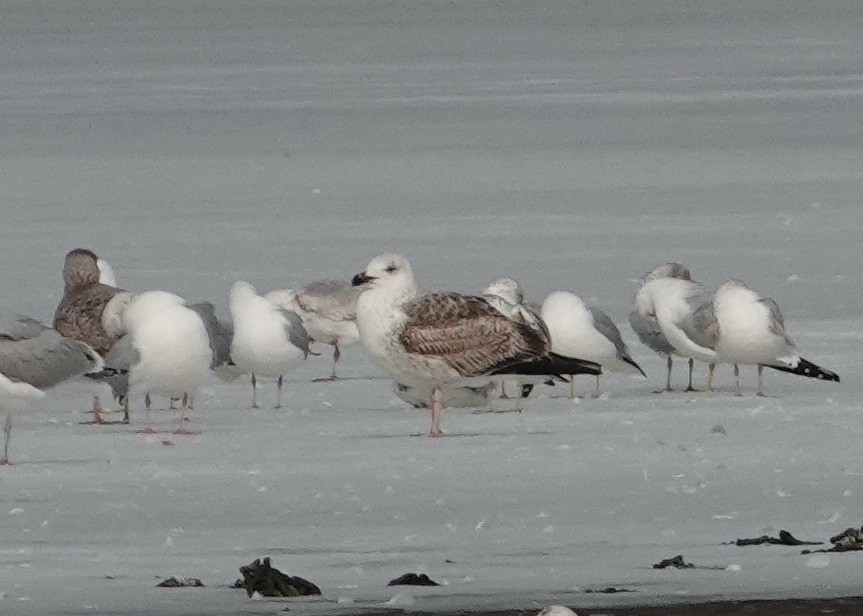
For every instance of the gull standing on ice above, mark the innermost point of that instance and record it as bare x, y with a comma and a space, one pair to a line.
647, 327
442, 341
746, 328
79, 314
34, 358
166, 350
583, 331
268, 340
671, 302
328, 309
507, 297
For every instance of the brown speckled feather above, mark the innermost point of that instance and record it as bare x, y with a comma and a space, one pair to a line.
79, 315
468, 334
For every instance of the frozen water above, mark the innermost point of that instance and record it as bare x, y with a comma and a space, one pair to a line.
567, 145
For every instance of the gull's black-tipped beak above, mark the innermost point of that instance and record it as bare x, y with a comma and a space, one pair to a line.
361, 279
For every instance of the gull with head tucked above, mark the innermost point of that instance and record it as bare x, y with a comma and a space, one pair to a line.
165, 349
584, 331
442, 341
268, 340
670, 303
507, 297
88, 288
746, 328
647, 327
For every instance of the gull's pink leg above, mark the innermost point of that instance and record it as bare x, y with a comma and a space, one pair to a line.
437, 412
97, 410
148, 429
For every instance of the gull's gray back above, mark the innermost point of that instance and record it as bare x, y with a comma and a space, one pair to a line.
777, 323
701, 326
649, 332
38, 355
219, 332
605, 326
297, 334
331, 299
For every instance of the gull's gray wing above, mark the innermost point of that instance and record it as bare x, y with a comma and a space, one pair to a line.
19, 327
605, 326
777, 323
219, 332
38, 355
648, 331
668, 270
701, 326
335, 300
297, 334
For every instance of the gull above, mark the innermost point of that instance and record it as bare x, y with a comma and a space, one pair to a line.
670, 302
442, 341
268, 340
123, 354
79, 314
34, 358
745, 328
328, 309
507, 297
578, 330
166, 350
646, 325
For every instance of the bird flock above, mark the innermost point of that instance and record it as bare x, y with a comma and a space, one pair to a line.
441, 348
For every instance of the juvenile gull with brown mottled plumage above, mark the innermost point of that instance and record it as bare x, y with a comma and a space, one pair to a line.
445, 340
79, 314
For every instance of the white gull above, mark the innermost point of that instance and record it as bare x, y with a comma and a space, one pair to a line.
745, 328
268, 340
646, 325
579, 330
166, 349
672, 303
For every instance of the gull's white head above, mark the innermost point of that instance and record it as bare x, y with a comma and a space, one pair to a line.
507, 289
389, 271
667, 270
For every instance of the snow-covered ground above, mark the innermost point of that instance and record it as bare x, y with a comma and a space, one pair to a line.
567, 145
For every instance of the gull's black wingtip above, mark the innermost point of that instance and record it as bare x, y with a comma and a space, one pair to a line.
808, 369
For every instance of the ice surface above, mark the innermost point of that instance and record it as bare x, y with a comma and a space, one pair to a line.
567, 145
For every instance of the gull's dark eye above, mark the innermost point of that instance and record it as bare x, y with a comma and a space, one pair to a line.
391, 268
